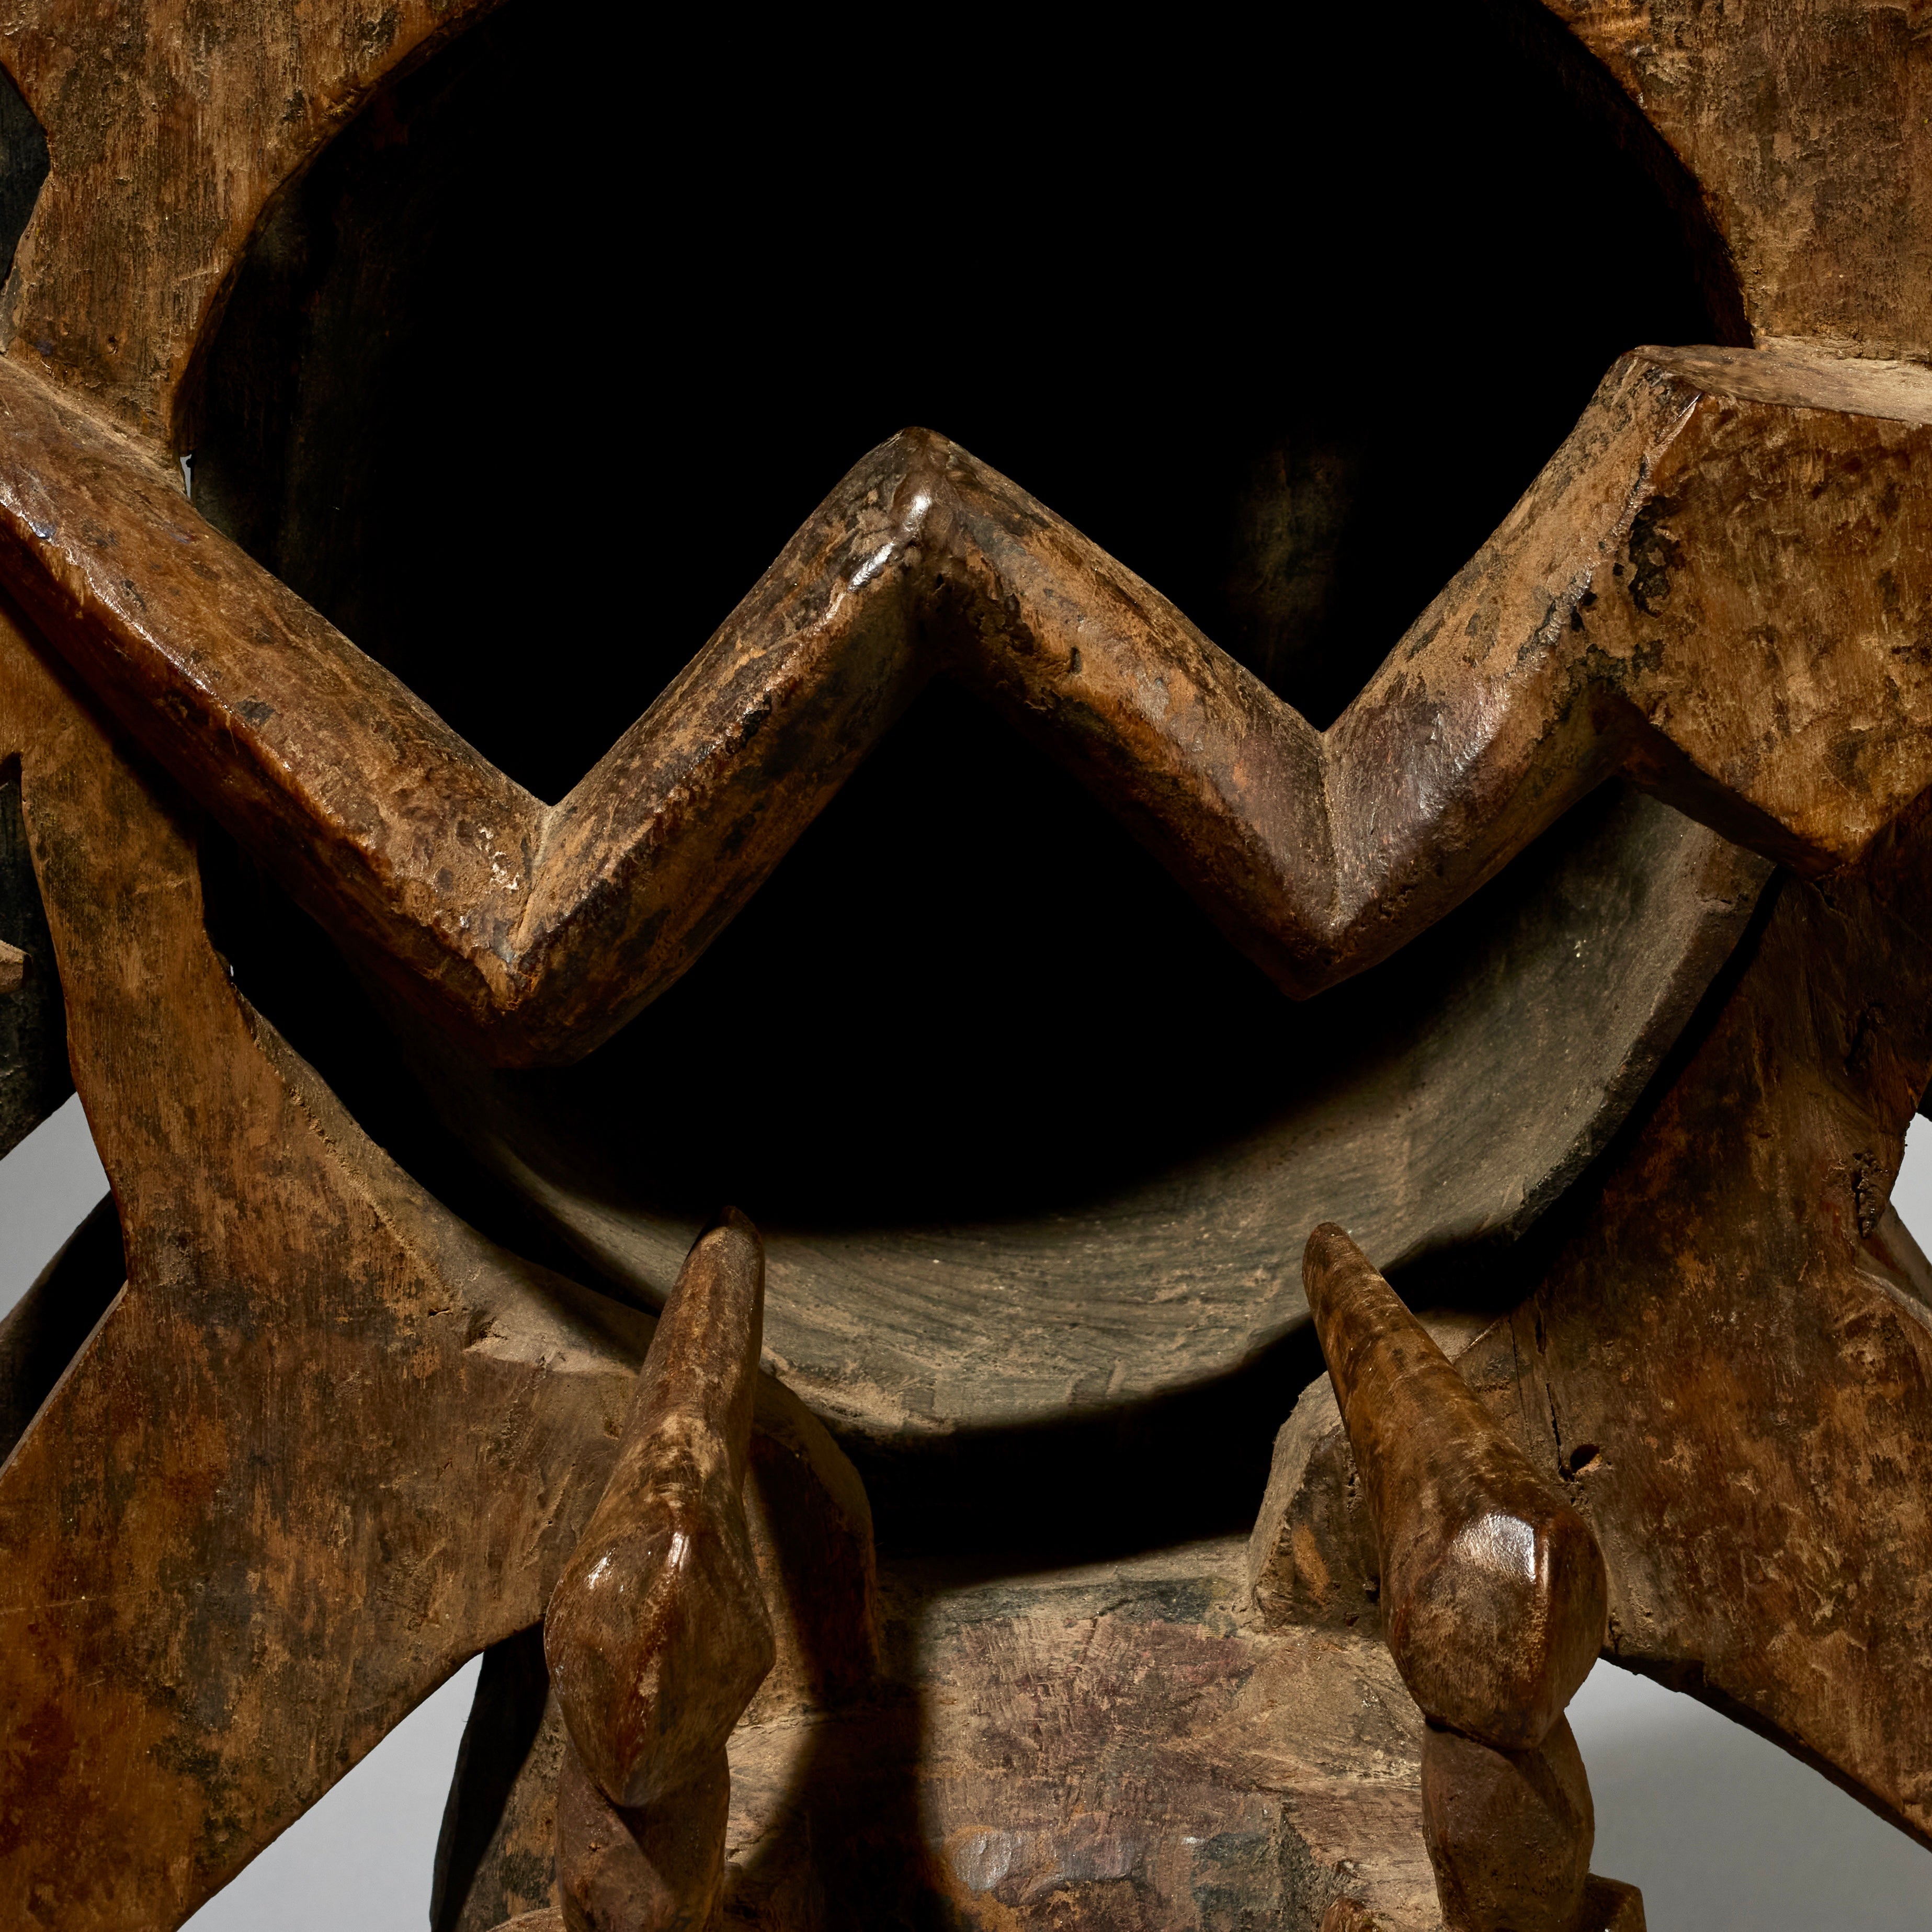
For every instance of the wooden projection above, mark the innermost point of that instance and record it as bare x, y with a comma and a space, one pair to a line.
289, 1438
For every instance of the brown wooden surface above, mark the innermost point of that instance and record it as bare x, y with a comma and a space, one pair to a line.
169, 127
1727, 1367
177, 1523
811, 1537
33, 1078
231, 1559
156, 186
1312, 1557
159, 178
1809, 129
1442, 1102
1492, 1586
1114, 1744
657, 1633
1681, 526
1731, 1365
233, 1521
496, 1856
1509, 1832
659, 1869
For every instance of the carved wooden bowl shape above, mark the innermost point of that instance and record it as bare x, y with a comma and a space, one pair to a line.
1513, 858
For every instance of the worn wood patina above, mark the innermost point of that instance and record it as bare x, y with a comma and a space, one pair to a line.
1569, 980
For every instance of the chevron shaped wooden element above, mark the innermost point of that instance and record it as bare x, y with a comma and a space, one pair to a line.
327, 1442
1711, 509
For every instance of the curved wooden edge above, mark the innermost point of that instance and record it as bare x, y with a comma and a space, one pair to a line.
165, 146
1495, 1597
1688, 525
1829, 236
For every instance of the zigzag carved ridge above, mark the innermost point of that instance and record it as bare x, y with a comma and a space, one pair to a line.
1600, 630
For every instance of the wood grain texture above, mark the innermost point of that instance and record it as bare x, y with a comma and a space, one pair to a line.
655, 1869
1679, 526
33, 1078
1760, 1502
326, 1443
1509, 1832
811, 1536
1809, 129
1441, 1102
496, 1856
1114, 1745
657, 1635
168, 127
1492, 1587
1765, 1536
1312, 1556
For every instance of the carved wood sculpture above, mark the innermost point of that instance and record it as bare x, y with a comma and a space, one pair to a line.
656, 1635
1493, 1593
1605, 893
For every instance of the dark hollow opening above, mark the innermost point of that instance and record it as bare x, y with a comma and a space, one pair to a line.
23, 168
522, 387
523, 384
524, 392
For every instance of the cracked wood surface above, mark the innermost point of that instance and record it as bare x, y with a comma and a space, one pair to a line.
326, 1443
1808, 128
1688, 525
1109, 1745
1728, 1366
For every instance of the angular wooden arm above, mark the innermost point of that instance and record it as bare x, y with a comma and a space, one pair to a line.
1694, 520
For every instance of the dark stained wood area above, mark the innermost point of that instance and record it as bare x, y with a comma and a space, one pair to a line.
1591, 635
1493, 1586
1725, 1366
240, 1543
1068, 873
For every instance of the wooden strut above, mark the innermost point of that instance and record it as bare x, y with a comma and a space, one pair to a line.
1692, 522
440, 1380
1495, 1599
1719, 586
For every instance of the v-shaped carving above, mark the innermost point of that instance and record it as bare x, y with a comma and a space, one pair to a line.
1719, 585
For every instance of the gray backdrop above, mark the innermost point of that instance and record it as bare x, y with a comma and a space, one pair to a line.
1723, 1832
